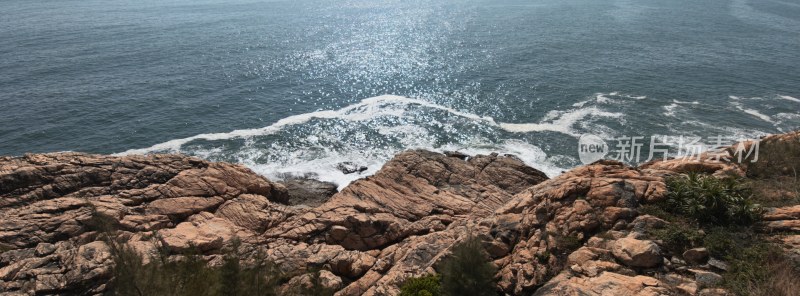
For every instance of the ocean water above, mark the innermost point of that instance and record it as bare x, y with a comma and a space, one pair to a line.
295, 87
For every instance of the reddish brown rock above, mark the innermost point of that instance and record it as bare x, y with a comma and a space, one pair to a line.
637, 253
607, 283
53, 205
374, 233
543, 235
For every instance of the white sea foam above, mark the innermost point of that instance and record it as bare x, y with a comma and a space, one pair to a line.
372, 131
634, 97
608, 98
753, 112
602, 98
311, 152
686, 102
389, 105
787, 116
670, 109
528, 153
560, 121
366, 109
793, 99
324, 168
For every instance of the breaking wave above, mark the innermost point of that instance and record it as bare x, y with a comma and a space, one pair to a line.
370, 132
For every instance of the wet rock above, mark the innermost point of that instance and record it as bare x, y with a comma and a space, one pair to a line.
456, 154
350, 167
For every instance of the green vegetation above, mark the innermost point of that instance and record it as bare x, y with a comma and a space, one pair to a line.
467, 271
190, 275
427, 285
566, 244
718, 214
756, 267
678, 237
711, 200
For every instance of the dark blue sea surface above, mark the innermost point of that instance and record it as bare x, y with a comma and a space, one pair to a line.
298, 86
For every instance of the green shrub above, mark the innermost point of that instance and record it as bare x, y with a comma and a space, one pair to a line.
721, 242
677, 237
756, 267
761, 269
711, 200
468, 271
427, 285
189, 275
566, 244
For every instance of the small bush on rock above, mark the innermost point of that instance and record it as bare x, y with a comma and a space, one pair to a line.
677, 237
566, 244
468, 271
722, 242
421, 286
711, 200
189, 275
761, 269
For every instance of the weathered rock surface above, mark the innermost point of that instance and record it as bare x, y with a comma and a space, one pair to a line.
367, 238
607, 283
310, 192
637, 253
544, 235
696, 255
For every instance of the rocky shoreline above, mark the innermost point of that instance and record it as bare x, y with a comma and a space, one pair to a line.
369, 237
